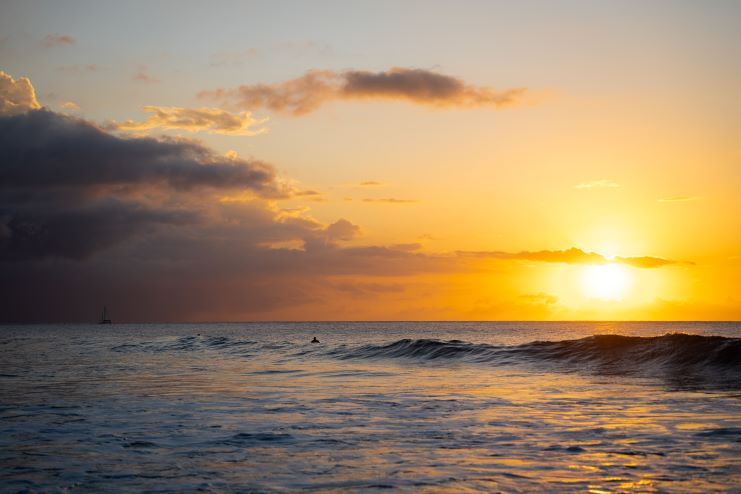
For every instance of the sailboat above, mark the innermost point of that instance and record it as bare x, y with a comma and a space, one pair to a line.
104, 317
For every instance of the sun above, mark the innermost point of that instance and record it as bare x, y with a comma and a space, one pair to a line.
606, 281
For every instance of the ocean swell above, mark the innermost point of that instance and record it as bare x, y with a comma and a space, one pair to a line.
685, 359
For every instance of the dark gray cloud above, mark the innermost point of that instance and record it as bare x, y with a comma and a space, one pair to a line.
307, 93
76, 233
69, 189
46, 149
205, 270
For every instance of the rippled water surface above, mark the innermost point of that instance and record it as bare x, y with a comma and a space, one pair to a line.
417, 407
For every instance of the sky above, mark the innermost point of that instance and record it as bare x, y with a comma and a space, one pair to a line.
233, 161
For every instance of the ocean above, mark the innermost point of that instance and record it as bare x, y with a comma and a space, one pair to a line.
402, 406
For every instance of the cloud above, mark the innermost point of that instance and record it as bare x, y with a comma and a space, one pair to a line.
69, 105
69, 189
679, 199
390, 200
212, 120
364, 290
142, 75
540, 298
370, 183
309, 195
53, 230
77, 69
52, 40
45, 149
647, 261
16, 96
233, 58
428, 236
342, 230
572, 256
316, 87
597, 184
301, 47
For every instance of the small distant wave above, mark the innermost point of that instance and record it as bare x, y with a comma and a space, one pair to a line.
686, 359
187, 344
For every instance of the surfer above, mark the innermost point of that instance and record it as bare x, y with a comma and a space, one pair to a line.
315, 340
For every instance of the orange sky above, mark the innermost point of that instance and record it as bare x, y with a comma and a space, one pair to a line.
574, 164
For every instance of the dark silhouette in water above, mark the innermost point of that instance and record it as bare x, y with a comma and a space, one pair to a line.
104, 317
315, 340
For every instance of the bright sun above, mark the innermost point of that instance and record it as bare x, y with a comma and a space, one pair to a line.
606, 282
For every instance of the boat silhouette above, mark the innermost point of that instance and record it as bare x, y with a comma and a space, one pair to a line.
104, 317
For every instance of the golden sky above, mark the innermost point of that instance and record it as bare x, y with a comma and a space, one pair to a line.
495, 160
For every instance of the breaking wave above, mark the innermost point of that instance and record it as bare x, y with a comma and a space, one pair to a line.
684, 358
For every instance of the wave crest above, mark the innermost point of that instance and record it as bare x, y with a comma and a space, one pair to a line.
683, 357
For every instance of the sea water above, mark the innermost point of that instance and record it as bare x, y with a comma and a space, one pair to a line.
415, 407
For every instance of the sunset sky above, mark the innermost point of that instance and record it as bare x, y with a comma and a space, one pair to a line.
190, 161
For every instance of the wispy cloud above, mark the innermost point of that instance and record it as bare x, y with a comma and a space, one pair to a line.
370, 183
142, 75
315, 88
679, 199
309, 195
540, 298
78, 69
573, 256
212, 120
69, 105
390, 200
597, 184
52, 40
233, 58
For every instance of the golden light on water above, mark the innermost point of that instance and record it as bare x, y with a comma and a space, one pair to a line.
606, 282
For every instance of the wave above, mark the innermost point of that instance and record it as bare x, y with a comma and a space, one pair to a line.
684, 358
188, 344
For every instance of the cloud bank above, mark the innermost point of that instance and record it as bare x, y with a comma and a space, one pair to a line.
315, 88
90, 218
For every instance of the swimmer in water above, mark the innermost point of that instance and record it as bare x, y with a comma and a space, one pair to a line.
315, 340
